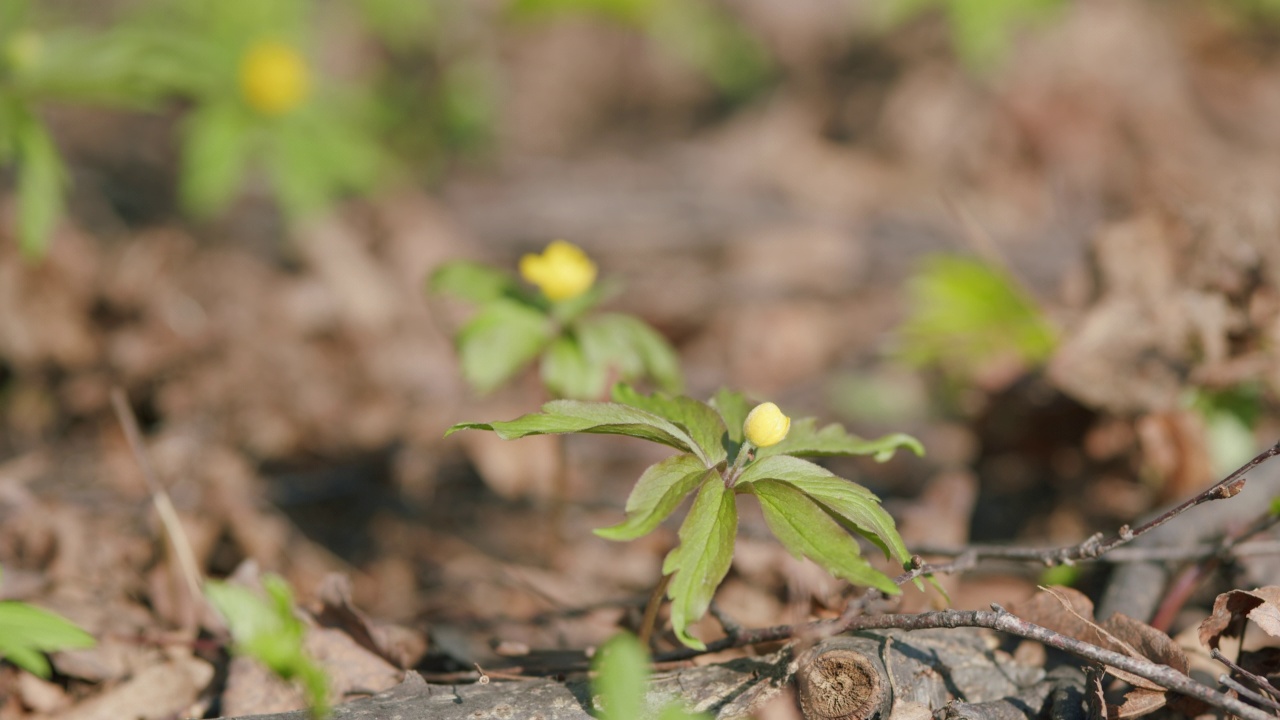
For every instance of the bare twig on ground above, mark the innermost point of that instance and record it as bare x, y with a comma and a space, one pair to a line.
1096, 546
996, 619
1258, 681
159, 496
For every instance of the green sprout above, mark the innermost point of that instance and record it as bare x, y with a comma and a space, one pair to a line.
621, 669
267, 630
580, 352
27, 632
809, 509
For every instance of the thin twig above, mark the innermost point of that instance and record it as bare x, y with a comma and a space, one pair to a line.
730, 626
996, 619
1259, 681
1096, 546
159, 496
1251, 694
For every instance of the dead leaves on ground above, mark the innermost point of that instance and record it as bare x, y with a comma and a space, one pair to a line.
1069, 612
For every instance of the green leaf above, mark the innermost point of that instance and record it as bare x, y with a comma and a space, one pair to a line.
215, 150
499, 340
472, 281
698, 419
570, 416
848, 501
733, 407
806, 530
702, 558
266, 629
26, 632
657, 494
805, 439
41, 178
567, 373
622, 671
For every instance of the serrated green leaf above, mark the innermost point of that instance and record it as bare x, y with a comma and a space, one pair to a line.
41, 178
699, 419
702, 558
472, 281
214, 154
806, 530
502, 338
657, 494
805, 439
847, 500
567, 373
733, 408
788, 469
26, 632
622, 671
570, 416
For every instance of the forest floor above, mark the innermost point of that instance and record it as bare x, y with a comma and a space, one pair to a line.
294, 393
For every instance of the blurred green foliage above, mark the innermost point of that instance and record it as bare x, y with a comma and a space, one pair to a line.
697, 31
41, 65
267, 630
27, 632
964, 313
261, 102
981, 31
1230, 416
621, 669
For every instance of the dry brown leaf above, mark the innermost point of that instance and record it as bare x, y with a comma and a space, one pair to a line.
1070, 613
1262, 606
160, 691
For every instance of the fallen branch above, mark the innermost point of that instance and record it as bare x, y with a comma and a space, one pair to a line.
996, 619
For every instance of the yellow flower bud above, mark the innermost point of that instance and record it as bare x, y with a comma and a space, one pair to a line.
766, 425
562, 271
273, 78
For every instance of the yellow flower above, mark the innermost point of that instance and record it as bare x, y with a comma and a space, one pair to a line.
562, 271
273, 77
766, 425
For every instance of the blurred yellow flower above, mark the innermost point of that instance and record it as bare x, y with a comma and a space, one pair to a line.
766, 425
562, 271
273, 77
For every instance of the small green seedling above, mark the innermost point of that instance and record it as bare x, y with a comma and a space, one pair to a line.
965, 313
725, 451
581, 352
27, 632
621, 668
267, 630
